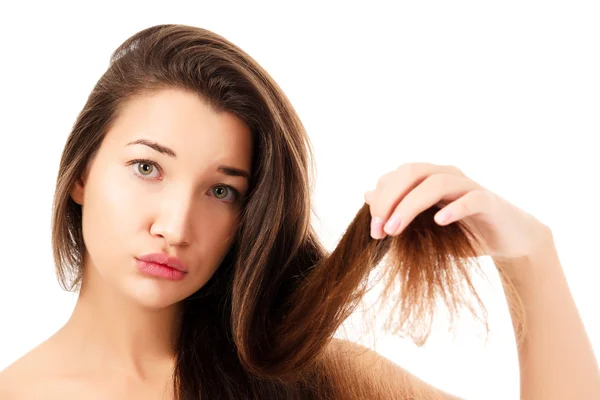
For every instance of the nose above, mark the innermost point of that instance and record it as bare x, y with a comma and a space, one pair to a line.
173, 222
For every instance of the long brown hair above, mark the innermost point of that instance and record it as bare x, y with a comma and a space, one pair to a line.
259, 327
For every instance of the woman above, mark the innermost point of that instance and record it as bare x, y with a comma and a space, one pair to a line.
181, 216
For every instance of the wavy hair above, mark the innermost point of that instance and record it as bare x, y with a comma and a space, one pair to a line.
258, 329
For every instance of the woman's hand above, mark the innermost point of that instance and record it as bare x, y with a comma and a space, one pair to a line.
505, 231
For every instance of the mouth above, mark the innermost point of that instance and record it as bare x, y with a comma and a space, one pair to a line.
165, 261
159, 270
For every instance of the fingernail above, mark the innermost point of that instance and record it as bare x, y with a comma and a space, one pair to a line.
376, 224
392, 225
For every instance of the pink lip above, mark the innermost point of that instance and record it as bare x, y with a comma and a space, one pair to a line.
162, 266
164, 260
160, 270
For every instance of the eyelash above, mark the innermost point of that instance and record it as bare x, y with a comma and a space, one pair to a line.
238, 196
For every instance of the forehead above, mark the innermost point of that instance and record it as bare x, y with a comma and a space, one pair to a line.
183, 122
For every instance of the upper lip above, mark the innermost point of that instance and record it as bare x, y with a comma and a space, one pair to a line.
164, 259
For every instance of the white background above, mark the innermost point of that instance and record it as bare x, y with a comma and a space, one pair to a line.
507, 91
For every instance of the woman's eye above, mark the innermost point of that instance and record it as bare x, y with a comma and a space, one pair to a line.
145, 168
222, 191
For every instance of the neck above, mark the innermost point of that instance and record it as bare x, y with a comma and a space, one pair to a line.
109, 332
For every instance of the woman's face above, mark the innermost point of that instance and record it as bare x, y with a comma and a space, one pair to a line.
175, 202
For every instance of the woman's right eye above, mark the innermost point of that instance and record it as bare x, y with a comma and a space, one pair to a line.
144, 169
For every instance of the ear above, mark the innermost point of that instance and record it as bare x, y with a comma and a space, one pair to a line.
77, 191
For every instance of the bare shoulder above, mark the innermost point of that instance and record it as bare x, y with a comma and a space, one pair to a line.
26, 377
361, 372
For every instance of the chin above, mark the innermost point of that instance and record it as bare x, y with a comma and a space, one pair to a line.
154, 293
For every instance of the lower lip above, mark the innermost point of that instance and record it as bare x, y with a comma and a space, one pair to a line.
159, 270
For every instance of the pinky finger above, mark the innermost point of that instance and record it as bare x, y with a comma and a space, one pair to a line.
367, 196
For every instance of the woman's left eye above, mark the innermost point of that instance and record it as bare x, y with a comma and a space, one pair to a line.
227, 189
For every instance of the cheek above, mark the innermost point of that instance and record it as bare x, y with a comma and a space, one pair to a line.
218, 226
110, 211
216, 235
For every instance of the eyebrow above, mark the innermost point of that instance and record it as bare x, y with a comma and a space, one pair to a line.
224, 169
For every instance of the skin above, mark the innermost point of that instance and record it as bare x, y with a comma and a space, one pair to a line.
118, 342
112, 353
556, 359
